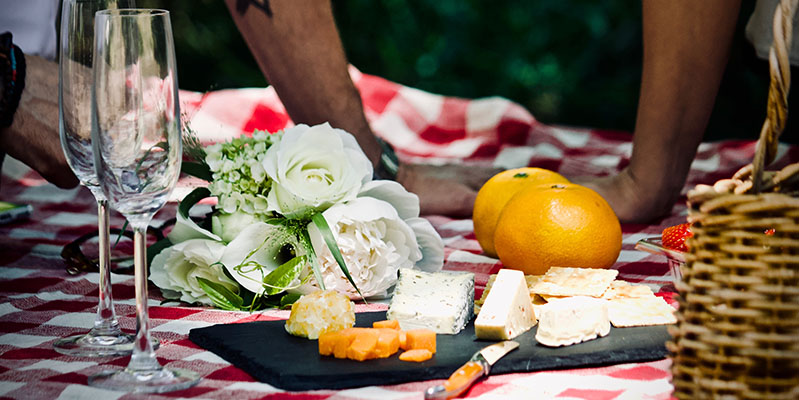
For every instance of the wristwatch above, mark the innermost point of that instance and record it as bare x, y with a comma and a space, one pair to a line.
12, 77
388, 164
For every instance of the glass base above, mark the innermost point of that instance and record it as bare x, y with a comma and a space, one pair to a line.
156, 381
94, 345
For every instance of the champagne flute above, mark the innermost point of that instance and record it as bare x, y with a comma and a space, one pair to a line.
137, 147
74, 112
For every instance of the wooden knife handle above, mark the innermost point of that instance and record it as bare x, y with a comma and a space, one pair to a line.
458, 382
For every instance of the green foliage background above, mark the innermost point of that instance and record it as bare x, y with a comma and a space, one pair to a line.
570, 62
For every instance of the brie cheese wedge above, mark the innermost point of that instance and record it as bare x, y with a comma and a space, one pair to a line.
572, 320
508, 310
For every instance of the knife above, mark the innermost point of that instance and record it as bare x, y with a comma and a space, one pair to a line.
478, 366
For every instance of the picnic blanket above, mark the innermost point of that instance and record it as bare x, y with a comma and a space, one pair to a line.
39, 302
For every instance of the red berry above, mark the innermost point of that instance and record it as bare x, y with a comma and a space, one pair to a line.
674, 237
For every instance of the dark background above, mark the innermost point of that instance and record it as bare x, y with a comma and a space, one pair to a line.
570, 62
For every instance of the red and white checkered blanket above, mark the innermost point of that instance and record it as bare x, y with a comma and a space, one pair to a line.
39, 302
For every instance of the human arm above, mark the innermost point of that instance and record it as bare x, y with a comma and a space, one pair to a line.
299, 51
33, 136
686, 47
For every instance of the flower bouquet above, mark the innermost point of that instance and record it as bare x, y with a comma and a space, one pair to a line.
297, 211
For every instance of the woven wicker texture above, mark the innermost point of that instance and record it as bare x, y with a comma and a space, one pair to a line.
737, 334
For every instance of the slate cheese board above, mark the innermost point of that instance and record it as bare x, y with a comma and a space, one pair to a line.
269, 354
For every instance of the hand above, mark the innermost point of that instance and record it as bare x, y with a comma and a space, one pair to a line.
444, 190
33, 137
633, 200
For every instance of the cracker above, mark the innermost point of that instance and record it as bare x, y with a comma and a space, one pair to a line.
622, 289
640, 311
563, 281
489, 284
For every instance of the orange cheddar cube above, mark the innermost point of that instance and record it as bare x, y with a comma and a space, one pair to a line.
421, 339
388, 323
363, 346
416, 355
387, 343
327, 342
403, 340
345, 337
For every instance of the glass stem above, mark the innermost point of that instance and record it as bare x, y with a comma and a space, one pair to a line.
143, 357
106, 323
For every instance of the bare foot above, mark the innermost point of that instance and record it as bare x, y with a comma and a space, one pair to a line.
631, 200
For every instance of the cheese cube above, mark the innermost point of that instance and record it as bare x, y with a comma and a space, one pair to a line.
508, 310
440, 301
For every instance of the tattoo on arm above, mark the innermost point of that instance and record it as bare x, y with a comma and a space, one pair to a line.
243, 5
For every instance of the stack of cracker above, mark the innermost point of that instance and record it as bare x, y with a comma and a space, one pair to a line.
628, 305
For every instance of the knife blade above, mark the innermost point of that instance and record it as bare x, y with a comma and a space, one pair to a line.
477, 367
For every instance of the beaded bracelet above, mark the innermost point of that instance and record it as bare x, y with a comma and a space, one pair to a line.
12, 75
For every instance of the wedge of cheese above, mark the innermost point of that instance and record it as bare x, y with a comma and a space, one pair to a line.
572, 320
508, 310
440, 301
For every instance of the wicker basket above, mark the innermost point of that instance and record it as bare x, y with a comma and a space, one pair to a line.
737, 334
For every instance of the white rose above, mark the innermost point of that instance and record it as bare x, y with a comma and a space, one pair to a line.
407, 206
258, 250
374, 242
313, 168
175, 270
228, 226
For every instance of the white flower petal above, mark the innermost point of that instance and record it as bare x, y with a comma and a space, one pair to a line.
265, 242
186, 229
431, 245
405, 202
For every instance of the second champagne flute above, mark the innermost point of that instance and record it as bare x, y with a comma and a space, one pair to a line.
137, 149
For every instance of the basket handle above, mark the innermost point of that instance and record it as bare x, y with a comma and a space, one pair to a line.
777, 107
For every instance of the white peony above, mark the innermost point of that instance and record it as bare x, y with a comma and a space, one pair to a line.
374, 242
313, 168
258, 250
175, 270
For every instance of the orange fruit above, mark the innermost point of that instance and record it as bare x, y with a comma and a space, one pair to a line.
563, 224
496, 192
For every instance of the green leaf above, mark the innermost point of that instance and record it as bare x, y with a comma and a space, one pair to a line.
289, 299
196, 169
279, 279
121, 234
305, 239
156, 248
320, 222
191, 199
221, 296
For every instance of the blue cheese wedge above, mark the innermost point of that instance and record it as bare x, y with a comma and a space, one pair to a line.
440, 301
508, 310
